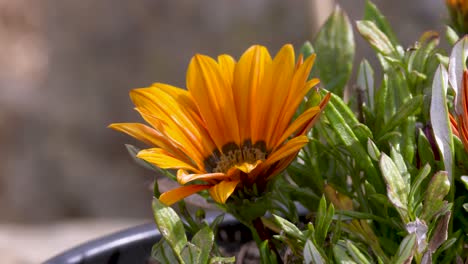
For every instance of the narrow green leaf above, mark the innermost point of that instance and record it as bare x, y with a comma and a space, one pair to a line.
266, 256
464, 179
163, 253
222, 260
410, 107
440, 118
170, 226
287, 227
376, 38
335, 51
204, 240
415, 186
373, 150
401, 165
451, 35
372, 13
426, 156
133, 151
365, 82
341, 256
438, 188
191, 254
306, 50
340, 122
356, 254
311, 254
406, 250
397, 188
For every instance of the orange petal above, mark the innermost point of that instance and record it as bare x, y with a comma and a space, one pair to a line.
227, 65
221, 191
299, 88
248, 74
170, 197
214, 98
147, 135
164, 159
247, 167
303, 119
183, 177
289, 149
271, 97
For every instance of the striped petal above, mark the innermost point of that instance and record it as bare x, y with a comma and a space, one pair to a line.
206, 83
248, 74
289, 148
170, 197
184, 177
221, 191
165, 160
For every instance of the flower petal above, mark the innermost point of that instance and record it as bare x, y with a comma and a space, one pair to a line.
247, 167
147, 135
289, 149
248, 75
183, 177
271, 97
221, 191
165, 160
170, 197
303, 119
214, 98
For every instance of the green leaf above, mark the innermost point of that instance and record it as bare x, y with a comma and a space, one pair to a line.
335, 51
376, 38
170, 226
341, 119
406, 250
372, 13
440, 118
373, 150
341, 256
287, 227
266, 255
312, 254
204, 240
464, 179
365, 82
191, 254
133, 151
397, 188
438, 188
401, 165
306, 50
415, 186
356, 254
222, 260
163, 253
426, 156
410, 107
323, 220
451, 35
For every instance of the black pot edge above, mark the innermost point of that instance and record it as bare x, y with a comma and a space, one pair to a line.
107, 246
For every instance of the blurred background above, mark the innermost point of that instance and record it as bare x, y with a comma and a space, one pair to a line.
66, 68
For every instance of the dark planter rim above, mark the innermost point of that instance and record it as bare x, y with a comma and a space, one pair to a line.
108, 248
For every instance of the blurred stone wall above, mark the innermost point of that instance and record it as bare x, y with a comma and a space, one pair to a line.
67, 66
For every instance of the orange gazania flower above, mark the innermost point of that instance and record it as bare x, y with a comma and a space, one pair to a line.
233, 127
460, 123
458, 10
